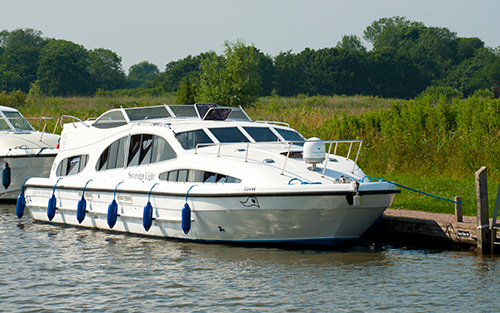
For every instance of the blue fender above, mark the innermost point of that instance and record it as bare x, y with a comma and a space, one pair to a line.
81, 209
112, 213
20, 204
51, 207
186, 218
6, 176
147, 217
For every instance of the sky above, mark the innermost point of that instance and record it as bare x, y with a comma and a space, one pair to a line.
162, 31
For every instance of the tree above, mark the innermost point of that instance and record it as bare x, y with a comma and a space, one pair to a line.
291, 75
141, 73
64, 69
106, 70
177, 72
384, 31
351, 43
19, 53
231, 79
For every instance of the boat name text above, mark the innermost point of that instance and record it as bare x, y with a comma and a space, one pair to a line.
142, 176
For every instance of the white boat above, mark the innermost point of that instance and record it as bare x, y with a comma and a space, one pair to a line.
24, 152
206, 173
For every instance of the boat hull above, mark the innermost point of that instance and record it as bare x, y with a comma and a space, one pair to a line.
22, 166
243, 218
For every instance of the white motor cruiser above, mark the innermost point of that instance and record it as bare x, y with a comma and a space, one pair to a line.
24, 152
205, 173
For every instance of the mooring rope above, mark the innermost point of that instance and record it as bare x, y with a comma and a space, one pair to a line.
411, 189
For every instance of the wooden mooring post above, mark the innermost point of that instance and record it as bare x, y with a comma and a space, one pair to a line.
483, 222
458, 210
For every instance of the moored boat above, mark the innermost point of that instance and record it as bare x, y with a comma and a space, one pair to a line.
24, 152
206, 173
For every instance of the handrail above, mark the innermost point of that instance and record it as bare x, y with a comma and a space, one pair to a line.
274, 123
290, 144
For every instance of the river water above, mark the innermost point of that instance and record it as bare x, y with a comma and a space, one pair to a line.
47, 268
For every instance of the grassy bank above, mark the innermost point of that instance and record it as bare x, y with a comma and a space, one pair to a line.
435, 147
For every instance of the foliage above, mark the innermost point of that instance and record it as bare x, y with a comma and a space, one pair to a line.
435, 93
232, 79
186, 94
451, 139
19, 54
13, 99
351, 42
407, 57
141, 73
106, 70
63, 69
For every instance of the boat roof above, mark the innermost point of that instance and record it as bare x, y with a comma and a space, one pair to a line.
200, 111
8, 109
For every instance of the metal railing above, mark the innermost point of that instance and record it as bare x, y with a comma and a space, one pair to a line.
289, 150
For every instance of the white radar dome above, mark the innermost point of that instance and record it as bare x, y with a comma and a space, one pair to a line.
314, 151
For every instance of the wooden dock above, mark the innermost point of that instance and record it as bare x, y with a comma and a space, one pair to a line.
474, 232
426, 228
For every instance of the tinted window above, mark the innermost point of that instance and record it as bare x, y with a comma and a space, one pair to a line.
161, 150
72, 165
229, 134
190, 139
141, 148
290, 135
146, 149
197, 176
260, 134
113, 156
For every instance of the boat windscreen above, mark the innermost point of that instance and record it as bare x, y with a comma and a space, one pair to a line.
183, 110
261, 134
147, 113
290, 135
110, 119
228, 134
4, 125
18, 121
239, 114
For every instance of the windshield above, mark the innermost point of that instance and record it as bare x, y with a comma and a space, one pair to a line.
16, 119
228, 134
261, 134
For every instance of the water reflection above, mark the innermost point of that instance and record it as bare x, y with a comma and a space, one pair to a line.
54, 268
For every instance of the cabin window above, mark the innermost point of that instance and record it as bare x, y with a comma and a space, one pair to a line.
197, 176
110, 119
190, 139
113, 156
261, 134
229, 134
162, 150
72, 165
145, 149
142, 150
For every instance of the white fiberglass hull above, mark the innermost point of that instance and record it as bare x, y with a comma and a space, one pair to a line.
308, 215
24, 163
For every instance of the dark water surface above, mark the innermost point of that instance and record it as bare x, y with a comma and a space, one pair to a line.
47, 268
